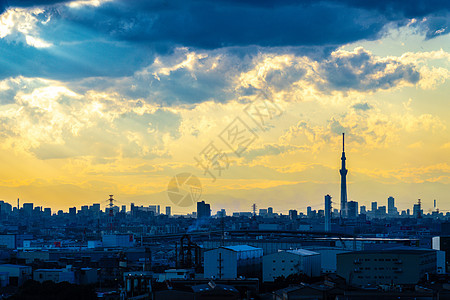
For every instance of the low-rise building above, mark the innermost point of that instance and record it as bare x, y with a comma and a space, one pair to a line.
327, 257
17, 274
233, 261
118, 240
176, 274
86, 276
55, 275
388, 266
285, 263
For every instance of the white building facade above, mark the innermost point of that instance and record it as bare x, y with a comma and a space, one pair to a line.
232, 262
285, 263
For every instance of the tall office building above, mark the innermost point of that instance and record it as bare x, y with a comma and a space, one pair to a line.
155, 209
28, 208
352, 209
168, 210
48, 211
343, 171
73, 212
309, 212
392, 210
381, 212
293, 214
203, 210
327, 213
417, 210
221, 213
362, 210
374, 207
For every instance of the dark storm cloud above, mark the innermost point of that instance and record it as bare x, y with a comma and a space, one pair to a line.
119, 37
211, 25
4, 4
216, 24
438, 25
359, 70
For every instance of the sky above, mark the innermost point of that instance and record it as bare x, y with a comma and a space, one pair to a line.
101, 97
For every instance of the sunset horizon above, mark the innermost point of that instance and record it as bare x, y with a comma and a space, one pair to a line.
103, 97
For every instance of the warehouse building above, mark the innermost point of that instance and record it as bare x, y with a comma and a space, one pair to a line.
17, 274
233, 262
389, 266
285, 263
55, 275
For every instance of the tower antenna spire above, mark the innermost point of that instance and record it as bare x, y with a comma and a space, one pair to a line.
343, 171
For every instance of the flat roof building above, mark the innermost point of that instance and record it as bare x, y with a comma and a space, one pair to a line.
386, 266
17, 274
289, 262
233, 261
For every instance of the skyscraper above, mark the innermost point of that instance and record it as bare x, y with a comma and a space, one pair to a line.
362, 210
374, 207
28, 208
392, 210
343, 171
293, 214
327, 213
203, 210
352, 209
417, 210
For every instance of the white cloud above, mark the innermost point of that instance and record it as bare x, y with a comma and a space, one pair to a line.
22, 25
81, 3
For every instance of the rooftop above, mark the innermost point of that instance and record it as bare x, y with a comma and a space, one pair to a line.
13, 266
302, 252
239, 248
391, 251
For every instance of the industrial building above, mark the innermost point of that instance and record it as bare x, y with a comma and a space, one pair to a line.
327, 257
118, 240
391, 266
17, 274
55, 275
288, 262
233, 262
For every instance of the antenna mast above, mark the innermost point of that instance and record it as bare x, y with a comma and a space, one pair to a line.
111, 213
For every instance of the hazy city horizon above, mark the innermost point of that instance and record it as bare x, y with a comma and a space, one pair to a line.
236, 149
